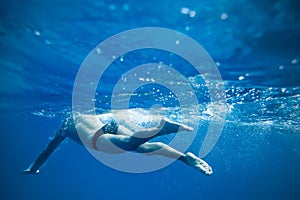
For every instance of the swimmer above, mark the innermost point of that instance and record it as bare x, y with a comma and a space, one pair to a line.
109, 137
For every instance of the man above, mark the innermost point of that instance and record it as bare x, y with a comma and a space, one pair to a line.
102, 133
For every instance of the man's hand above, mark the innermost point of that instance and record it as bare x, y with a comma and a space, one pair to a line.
30, 171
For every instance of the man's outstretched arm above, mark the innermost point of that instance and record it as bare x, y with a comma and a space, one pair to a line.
34, 167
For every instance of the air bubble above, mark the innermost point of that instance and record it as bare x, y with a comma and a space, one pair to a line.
241, 78
283, 90
37, 33
224, 16
295, 61
98, 50
47, 42
185, 10
192, 13
281, 67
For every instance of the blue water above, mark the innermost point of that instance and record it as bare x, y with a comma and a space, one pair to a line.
256, 45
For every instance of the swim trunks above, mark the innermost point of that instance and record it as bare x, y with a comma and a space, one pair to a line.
109, 128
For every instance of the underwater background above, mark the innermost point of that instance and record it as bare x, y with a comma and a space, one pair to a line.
256, 46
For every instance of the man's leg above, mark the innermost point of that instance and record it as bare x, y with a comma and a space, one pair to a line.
166, 127
125, 140
159, 148
138, 141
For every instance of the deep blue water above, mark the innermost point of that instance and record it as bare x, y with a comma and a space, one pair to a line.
256, 45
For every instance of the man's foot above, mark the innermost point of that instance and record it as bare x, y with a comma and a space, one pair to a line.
173, 127
198, 163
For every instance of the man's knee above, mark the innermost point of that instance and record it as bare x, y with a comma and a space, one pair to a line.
149, 147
